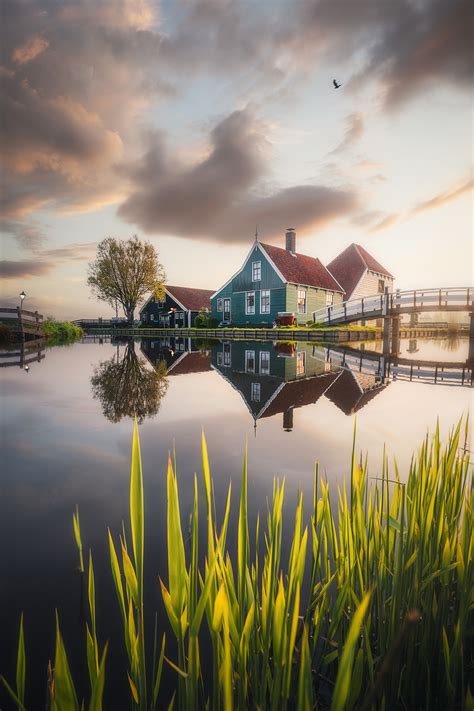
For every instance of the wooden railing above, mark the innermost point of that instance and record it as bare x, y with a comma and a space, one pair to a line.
22, 320
398, 302
393, 367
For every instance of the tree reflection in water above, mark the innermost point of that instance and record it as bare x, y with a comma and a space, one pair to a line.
127, 387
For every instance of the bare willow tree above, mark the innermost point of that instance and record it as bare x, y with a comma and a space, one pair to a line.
124, 271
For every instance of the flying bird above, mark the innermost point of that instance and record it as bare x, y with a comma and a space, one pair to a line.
336, 85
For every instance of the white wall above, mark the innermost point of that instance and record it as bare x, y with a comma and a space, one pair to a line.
369, 285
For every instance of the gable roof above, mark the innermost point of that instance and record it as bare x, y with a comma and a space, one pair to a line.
188, 298
194, 362
298, 393
349, 395
301, 269
350, 265
192, 299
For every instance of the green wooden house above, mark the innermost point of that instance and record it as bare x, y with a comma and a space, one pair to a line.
272, 281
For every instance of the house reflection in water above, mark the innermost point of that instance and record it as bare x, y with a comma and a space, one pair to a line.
352, 391
279, 378
272, 378
181, 355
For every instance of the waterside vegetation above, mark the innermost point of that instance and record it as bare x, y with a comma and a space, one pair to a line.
59, 332
373, 609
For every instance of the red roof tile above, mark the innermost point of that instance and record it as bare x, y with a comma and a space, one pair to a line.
191, 299
349, 266
195, 362
301, 269
347, 394
298, 393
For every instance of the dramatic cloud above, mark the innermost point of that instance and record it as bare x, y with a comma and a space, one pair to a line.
409, 45
75, 75
23, 269
80, 83
216, 198
430, 45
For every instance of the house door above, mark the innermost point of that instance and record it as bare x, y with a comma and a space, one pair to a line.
226, 309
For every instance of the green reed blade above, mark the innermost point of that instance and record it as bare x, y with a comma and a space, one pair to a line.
98, 687
345, 672
64, 692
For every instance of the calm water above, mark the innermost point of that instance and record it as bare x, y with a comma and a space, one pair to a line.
66, 439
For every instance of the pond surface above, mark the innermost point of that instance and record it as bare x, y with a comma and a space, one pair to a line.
66, 441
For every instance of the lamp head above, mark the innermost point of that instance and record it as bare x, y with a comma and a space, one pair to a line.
22, 295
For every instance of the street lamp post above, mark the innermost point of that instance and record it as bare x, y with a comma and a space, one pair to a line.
20, 313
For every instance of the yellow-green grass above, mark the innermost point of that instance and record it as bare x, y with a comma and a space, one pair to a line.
373, 609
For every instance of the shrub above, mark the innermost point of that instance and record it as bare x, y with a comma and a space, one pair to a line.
61, 331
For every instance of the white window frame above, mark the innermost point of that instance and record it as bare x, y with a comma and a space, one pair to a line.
265, 368
250, 354
269, 292
152, 317
220, 357
329, 298
257, 268
227, 298
247, 312
300, 357
255, 392
305, 292
220, 304
227, 357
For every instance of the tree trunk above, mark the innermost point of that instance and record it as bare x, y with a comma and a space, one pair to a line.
130, 316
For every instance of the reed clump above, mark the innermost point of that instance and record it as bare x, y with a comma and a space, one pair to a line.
373, 609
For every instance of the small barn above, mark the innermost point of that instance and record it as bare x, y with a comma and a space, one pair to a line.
178, 309
359, 273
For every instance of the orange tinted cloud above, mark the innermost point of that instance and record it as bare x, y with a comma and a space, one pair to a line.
443, 198
33, 47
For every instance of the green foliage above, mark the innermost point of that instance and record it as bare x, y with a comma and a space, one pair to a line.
58, 332
205, 320
124, 272
386, 620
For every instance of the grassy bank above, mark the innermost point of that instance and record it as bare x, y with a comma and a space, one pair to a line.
373, 609
58, 332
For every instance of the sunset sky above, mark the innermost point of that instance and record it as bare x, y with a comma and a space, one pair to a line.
189, 122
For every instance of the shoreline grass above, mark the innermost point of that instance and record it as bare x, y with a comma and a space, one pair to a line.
61, 332
374, 608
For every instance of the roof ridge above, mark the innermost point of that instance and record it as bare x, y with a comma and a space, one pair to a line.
359, 254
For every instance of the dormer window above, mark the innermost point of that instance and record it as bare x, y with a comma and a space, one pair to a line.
256, 271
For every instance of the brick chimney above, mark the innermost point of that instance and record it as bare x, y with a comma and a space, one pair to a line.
291, 240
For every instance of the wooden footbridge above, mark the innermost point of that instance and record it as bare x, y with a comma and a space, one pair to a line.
391, 367
27, 324
397, 303
23, 355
